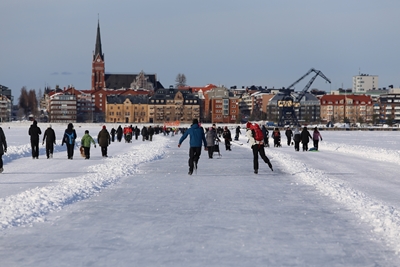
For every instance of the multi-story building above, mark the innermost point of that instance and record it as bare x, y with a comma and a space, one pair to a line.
347, 108
364, 82
62, 108
6, 103
5, 108
389, 107
127, 109
224, 106
173, 105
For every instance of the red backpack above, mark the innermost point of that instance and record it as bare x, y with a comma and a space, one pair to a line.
257, 133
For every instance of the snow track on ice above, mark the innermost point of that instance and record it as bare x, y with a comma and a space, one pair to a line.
32, 205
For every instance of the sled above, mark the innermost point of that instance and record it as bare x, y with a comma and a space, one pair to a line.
82, 151
313, 149
216, 149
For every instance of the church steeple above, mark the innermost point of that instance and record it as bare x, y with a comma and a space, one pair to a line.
98, 64
98, 51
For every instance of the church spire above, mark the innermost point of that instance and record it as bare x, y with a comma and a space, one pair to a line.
98, 51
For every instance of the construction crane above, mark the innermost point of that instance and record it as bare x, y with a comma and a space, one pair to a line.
288, 103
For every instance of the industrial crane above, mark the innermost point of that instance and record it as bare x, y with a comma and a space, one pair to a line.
287, 103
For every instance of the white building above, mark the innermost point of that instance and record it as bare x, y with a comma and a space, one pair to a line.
365, 82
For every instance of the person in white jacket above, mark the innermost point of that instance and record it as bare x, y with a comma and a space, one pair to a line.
258, 149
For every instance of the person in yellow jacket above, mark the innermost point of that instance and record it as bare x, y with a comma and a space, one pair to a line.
85, 142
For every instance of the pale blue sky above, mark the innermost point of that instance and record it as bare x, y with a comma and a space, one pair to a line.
231, 42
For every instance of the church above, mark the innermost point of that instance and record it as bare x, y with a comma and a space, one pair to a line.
103, 80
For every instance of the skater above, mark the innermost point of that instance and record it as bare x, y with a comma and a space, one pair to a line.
86, 141
305, 138
211, 137
197, 137
226, 134
3, 148
289, 135
297, 139
103, 139
316, 137
69, 139
34, 132
50, 137
257, 146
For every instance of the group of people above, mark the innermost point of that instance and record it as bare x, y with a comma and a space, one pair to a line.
302, 137
69, 137
211, 137
199, 138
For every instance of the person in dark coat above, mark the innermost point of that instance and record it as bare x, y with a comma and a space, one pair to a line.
226, 134
34, 132
197, 137
144, 133
112, 132
305, 138
237, 133
276, 134
151, 133
103, 138
137, 132
297, 139
69, 139
50, 137
266, 135
211, 137
3, 148
119, 133
289, 135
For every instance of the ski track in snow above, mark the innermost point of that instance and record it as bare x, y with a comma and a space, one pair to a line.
384, 219
32, 205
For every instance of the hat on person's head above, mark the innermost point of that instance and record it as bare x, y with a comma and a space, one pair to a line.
195, 121
104, 126
248, 125
87, 132
49, 125
35, 122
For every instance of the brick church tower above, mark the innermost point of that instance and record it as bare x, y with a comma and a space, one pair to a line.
98, 66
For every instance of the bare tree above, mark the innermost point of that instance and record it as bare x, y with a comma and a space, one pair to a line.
180, 80
24, 101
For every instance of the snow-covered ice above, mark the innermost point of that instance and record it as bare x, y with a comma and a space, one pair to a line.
139, 207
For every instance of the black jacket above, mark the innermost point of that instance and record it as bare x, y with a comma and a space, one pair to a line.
34, 132
49, 136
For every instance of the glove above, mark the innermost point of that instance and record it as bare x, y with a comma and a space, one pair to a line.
94, 146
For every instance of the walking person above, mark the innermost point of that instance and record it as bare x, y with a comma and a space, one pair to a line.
197, 137
103, 138
151, 133
289, 135
34, 132
3, 148
119, 133
305, 138
257, 146
276, 134
113, 132
316, 137
50, 137
297, 139
69, 139
86, 141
